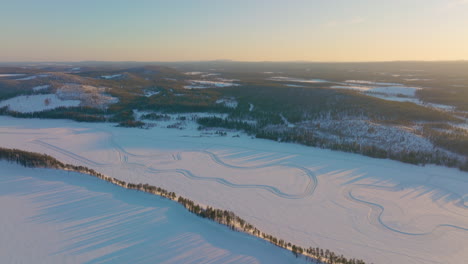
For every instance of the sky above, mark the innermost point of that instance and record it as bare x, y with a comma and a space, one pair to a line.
241, 30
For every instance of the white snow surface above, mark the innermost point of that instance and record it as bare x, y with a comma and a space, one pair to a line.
37, 103
382, 211
40, 87
149, 93
381, 90
56, 217
195, 73
299, 80
371, 83
32, 77
228, 102
27, 78
203, 84
11, 74
108, 77
293, 85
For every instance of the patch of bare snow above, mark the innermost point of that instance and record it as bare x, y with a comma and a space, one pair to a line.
195, 73
11, 74
108, 77
148, 93
37, 103
352, 87
290, 125
209, 75
89, 95
228, 102
293, 85
371, 83
40, 87
202, 84
33, 77
289, 79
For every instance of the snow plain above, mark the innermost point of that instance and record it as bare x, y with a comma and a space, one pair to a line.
10, 74
299, 80
108, 77
203, 84
51, 216
382, 211
37, 103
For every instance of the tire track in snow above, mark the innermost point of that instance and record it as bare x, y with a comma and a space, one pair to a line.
70, 154
308, 191
225, 182
378, 210
311, 185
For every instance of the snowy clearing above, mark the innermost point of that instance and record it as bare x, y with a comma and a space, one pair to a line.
108, 77
11, 74
371, 83
195, 73
228, 102
289, 79
75, 218
390, 90
382, 211
37, 103
202, 84
33, 77
149, 93
294, 85
87, 94
40, 88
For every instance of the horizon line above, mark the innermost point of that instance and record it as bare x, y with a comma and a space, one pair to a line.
228, 60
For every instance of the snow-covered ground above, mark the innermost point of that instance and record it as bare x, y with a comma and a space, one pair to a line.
203, 84
228, 102
299, 80
293, 85
108, 77
380, 210
40, 87
11, 74
149, 93
390, 91
68, 95
51, 216
195, 73
378, 88
32, 77
37, 103
88, 95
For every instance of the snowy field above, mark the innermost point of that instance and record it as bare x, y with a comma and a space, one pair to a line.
51, 216
299, 80
203, 84
382, 211
37, 103
387, 91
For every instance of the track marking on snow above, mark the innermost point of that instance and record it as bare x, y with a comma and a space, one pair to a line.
225, 182
70, 154
377, 211
308, 191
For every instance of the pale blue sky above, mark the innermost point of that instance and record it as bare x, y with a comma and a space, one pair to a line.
249, 30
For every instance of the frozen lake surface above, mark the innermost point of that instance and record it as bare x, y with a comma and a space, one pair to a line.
382, 211
51, 216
